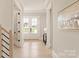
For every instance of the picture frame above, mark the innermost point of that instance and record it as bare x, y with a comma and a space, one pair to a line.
68, 19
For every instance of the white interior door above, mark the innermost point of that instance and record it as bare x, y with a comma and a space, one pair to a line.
31, 27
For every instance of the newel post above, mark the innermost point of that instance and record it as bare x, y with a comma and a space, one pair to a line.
11, 44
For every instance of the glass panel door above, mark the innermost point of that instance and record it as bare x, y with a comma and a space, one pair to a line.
34, 25
31, 26
26, 25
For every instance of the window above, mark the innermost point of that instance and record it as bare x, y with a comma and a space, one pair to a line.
30, 25
34, 25
26, 24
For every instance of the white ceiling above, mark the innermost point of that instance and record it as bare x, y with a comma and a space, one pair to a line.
34, 4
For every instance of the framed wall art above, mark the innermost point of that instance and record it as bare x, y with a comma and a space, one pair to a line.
68, 18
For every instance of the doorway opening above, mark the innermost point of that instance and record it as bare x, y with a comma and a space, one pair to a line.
32, 29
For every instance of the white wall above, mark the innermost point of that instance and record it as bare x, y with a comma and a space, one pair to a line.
48, 23
48, 27
6, 13
42, 22
6, 17
65, 44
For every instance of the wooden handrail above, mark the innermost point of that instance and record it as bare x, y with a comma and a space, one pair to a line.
4, 30
11, 45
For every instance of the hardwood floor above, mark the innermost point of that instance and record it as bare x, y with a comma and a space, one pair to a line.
33, 49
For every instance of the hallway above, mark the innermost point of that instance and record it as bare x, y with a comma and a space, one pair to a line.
32, 49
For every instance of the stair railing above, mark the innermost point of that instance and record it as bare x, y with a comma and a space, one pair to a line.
6, 43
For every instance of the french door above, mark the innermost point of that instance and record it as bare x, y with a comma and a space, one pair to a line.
31, 27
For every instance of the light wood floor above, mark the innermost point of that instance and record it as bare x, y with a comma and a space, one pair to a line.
32, 49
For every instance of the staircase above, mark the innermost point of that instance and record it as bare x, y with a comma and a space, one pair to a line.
6, 44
